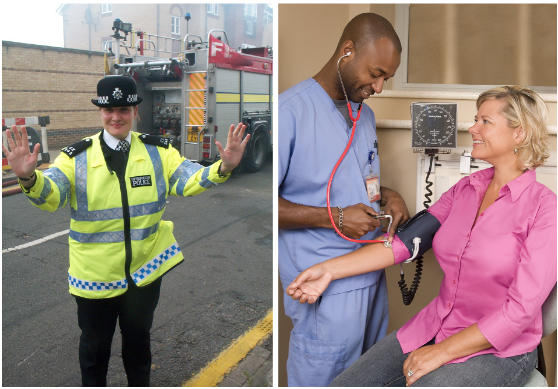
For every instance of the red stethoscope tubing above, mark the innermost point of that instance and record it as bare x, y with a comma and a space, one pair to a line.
333, 173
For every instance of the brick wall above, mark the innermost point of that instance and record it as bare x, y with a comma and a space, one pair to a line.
43, 80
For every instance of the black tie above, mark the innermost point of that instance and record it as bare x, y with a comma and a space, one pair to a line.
123, 145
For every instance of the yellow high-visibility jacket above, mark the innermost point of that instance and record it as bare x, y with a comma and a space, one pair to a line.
116, 226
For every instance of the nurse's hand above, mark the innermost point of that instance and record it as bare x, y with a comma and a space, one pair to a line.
310, 284
395, 206
232, 153
358, 222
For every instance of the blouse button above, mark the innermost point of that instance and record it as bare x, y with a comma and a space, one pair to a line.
449, 305
454, 282
467, 235
482, 214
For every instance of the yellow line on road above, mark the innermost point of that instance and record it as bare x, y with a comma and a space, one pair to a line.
213, 373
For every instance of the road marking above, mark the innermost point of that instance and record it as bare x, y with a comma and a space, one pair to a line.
213, 373
28, 357
35, 242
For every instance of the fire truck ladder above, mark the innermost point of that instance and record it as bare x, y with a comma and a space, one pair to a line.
197, 108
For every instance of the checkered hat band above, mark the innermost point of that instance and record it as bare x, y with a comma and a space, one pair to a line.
149, 268
96, 285
102, 100
132, 98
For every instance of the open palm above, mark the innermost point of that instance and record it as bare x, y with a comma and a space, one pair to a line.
232, 153
20, 159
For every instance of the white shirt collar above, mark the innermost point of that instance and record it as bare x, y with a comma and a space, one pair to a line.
112, 142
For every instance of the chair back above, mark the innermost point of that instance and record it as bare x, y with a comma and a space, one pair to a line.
549, 313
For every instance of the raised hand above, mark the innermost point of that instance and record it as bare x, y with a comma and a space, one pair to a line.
21, 160
310, 284
232, 154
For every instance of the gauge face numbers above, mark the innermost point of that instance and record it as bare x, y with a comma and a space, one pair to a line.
434, 125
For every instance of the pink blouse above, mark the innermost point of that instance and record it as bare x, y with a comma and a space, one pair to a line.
496, 274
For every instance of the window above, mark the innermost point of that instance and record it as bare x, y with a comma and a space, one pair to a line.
213, 9
106, 8
268, 15
251, 10
175, 25
250, 19
472, 47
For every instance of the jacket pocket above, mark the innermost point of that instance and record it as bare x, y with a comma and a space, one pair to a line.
315, 362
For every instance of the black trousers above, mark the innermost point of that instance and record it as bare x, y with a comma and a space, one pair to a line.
97, 321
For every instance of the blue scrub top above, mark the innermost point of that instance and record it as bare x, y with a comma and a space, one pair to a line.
312, 137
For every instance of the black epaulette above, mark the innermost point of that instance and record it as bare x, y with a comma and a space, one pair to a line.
76, 148
155, 140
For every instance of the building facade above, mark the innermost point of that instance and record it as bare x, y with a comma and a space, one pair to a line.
89, 26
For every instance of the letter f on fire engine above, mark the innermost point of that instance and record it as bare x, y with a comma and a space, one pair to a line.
215, 47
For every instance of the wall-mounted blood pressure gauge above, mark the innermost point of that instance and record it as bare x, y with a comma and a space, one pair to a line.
434, 125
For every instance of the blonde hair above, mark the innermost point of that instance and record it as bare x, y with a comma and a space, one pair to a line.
523, 107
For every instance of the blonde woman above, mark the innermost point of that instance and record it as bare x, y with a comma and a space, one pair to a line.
497, 248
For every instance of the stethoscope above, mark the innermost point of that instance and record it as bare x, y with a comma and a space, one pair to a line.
354, 120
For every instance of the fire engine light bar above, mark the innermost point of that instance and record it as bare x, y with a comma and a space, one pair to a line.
206, 139
206, 146
205, 155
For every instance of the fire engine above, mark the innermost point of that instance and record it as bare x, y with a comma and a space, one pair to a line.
194, 97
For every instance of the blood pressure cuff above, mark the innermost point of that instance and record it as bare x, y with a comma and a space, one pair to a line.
422, 225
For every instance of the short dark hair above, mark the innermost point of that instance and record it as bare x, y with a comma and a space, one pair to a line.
369, 27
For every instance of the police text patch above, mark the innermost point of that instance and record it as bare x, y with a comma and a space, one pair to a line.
140, 181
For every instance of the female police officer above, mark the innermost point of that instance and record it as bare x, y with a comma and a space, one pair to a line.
117, 182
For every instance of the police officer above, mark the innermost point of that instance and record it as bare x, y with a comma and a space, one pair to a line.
116, 183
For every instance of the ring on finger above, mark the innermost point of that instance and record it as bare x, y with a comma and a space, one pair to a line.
410, 373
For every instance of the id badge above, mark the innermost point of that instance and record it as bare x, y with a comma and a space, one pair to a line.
373, 187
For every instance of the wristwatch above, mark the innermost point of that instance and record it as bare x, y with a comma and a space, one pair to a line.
219, 172
27, 179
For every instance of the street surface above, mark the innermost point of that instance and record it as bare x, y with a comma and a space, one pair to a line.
222, 289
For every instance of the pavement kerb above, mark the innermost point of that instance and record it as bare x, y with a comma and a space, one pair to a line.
227, 362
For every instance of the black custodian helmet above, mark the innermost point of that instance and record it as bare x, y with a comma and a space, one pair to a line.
117, 91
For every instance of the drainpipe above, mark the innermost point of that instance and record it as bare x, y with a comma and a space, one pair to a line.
89, 7
158, 29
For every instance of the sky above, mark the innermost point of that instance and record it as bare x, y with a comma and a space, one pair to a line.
34, 22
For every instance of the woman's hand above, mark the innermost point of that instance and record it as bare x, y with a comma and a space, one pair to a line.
310, 284
422, 361
232, 154
21, 160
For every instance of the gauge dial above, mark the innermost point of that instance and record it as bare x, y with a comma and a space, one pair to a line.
434, 125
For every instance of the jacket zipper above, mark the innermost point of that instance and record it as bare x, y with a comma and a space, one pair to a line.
127, 234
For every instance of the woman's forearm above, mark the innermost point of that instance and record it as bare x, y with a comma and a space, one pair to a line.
373, 256
465, 342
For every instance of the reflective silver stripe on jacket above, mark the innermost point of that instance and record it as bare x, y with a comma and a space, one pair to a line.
97, 285
205, 182
60, 180
182, 174
113, 236
44, 193
81, 181
155, 263
83, 214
